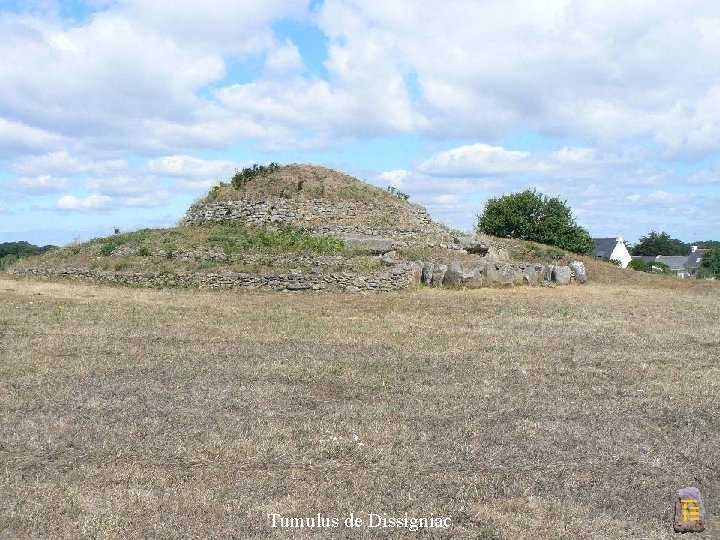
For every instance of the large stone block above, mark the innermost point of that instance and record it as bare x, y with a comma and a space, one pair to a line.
578, 270
453, 275
415, 268
438, 275
474, 278
561, 275
427, 273
472, 244
374, 245
533, 273
499, 274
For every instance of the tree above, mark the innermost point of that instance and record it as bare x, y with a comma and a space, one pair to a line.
707, 244
710, 264
660, 244
529, 215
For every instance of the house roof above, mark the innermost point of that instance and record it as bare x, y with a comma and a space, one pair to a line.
693, 260
675, 262
604, 246
646, 258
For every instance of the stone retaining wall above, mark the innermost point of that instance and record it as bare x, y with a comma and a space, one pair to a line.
394, 279
313, 213
402, 276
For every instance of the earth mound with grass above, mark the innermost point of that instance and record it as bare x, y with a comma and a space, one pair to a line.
298, 227
314, 198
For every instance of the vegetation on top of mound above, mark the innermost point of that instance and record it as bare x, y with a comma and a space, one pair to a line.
529, 215
241, 178
296, 181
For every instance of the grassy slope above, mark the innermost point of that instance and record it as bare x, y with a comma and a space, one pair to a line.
299, 181
186, 249
184, 414
251, 249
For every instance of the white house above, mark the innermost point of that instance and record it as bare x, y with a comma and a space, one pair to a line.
612, 249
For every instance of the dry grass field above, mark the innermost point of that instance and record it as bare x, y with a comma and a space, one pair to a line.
529, 413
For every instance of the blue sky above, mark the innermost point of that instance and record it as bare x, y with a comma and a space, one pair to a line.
121, 113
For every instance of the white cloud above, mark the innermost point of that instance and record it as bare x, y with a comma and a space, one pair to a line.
39, 185
63, 163
606, 72
706, 177
477, 160
121, 185
151, 199
91, 202
394, 178
284, 59
60, 162
185, 166
18, 138
226, 27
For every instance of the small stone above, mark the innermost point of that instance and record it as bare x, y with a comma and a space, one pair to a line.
689, 511
298, 286
390, 258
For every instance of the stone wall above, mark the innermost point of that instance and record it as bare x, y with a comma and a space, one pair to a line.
394, 279
315, 213
401, 276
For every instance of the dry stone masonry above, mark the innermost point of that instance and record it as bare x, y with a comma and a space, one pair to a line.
399, 277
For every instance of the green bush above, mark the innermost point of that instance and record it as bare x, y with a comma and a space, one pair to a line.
111, 245
7, 260
241, 178
399, 194
529, 215
710, 265
639, 265
653, 267
659, 268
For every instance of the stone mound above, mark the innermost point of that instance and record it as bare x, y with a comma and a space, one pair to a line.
318, 199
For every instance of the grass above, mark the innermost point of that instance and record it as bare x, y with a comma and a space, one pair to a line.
235, 246
520, 414
297, 181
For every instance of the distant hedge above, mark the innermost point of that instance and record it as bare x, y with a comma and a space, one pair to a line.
12, 251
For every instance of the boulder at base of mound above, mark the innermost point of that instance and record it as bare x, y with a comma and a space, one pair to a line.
578, 270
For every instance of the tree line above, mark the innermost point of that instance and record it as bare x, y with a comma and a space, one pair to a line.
12, 251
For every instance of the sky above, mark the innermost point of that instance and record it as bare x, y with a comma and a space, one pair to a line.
121, 113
